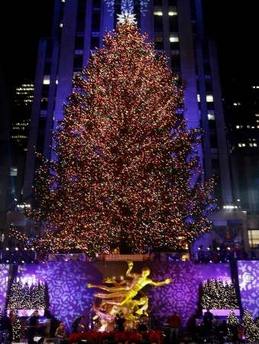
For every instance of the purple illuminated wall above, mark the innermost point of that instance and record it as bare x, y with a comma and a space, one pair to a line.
69, 296
182, 295
66, 282
4, 271
248, 275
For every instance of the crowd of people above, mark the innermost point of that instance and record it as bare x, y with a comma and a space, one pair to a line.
205, 329
34, 328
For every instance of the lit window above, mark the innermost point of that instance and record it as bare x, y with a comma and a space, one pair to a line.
230, 206
236, 103
198, 98
13, 172
255, 86
240, 145
250, 145
158, 13
173, 38
209, 98
61, 25
211, 116
172, 13
237, 126
248, 126
257, 115
253, 235
243, 144
46, 80
255, 144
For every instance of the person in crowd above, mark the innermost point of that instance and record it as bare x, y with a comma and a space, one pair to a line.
61, 334
143, 324
119, 322
207, 322
174, 322
75, 324
79, 324
222, 330
5, 328
33, 327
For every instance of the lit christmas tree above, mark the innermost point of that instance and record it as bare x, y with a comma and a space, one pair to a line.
218, 295
251, 328
126, 168
233, 323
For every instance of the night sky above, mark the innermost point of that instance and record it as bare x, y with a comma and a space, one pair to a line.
232, 24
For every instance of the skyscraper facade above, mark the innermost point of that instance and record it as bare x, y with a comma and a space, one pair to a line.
243, 117
176, 27
21, 115
5, 153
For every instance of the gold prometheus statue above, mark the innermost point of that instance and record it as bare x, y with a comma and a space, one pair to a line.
121, 296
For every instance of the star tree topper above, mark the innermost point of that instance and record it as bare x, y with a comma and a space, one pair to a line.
126, 17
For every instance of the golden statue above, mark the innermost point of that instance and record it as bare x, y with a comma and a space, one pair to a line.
120, 297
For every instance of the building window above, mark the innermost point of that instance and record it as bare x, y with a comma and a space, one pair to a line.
79, 52
211, 116
96, 21
13, 171
81, 16
253, 237
44, 103
45, 90
173, 20
95, 42
78, 62
158, 23
79, 43
158, 13
172, 12
46, 80
174, 38
176, 63
209, 98
213, 140
159, 44
41, 134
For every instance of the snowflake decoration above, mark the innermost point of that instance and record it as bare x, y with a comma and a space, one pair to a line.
127, 5
126, 17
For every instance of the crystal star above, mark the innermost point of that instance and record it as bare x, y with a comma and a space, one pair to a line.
127, 17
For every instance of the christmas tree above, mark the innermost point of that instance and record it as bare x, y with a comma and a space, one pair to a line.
126, 168
218, 295
251, 328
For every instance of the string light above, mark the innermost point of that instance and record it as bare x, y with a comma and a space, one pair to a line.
126, 160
